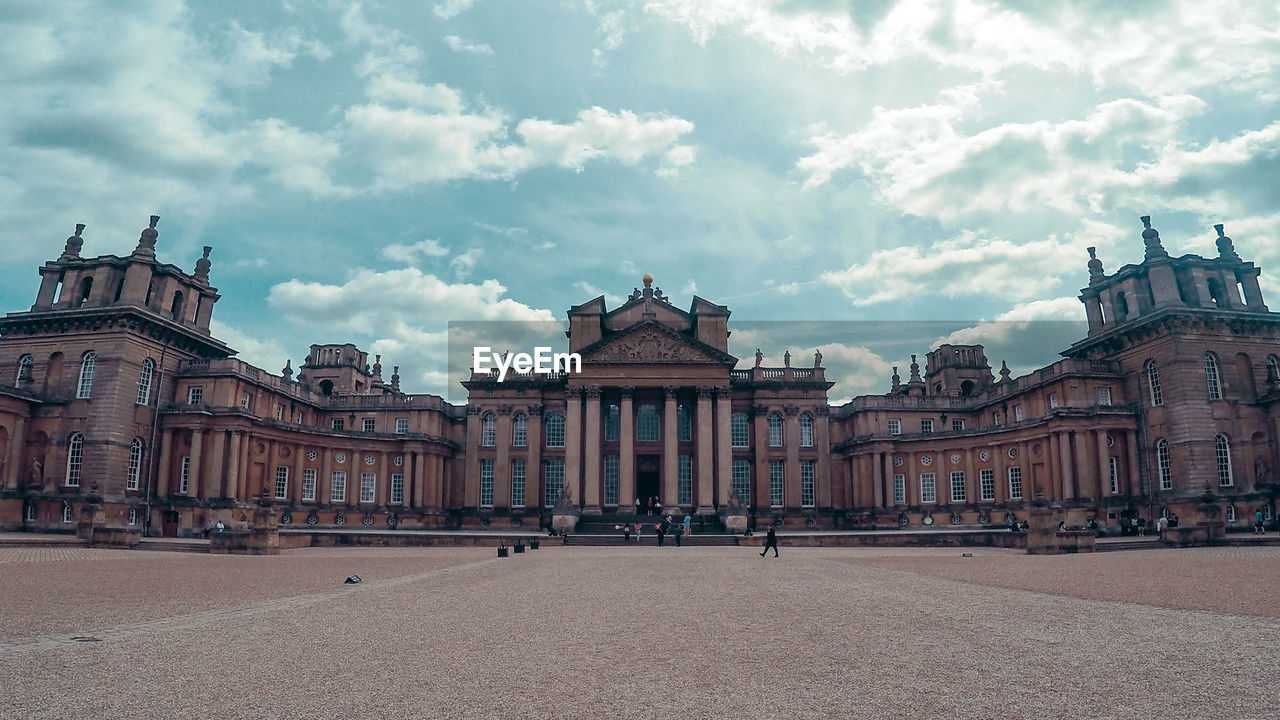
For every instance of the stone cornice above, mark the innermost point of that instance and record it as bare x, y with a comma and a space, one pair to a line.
130, 318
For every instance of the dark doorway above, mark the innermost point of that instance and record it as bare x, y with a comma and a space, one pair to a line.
648, 479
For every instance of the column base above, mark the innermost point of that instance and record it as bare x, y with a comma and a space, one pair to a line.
705, 510
592, 510
626, 510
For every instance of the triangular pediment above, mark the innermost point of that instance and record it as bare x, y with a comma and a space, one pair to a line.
650, 342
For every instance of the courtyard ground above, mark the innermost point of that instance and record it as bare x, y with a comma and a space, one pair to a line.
627, 632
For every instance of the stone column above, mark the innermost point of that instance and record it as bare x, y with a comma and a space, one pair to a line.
591, 453
242, 481
1104, 466
442, 472
877, 480
233, 467
324, 483
197, 444
573, 444
1085, 488
822, 440
162, 468
471, 478
1064, 462
217, 479
759, 446
972, 484
533, 468
706, 460
724, 453
791, 441
419, 478
627, 453
1132, 483
502, 465
16, 444
670, 451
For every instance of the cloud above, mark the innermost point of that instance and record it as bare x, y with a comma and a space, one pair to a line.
265, 354
592, 291
464, 264
459, 45
450, 9
970, 264
410, 253
598, 133
254, 55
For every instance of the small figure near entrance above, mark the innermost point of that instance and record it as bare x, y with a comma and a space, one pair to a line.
678, 532
649, 510
770, 541
639, 527
1257, 523
662, 533
626, 533
688, 523
1173, 520
1161, 525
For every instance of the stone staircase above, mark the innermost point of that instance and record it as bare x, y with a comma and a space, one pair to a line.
1128, 543
649, 539
193, 545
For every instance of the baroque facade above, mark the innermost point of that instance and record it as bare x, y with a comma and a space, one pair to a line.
114, 388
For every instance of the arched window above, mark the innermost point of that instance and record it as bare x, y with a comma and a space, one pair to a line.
86, 287
1273, 368
85, 386
555, 430
176, 310
488, 429
684, 427
1212, 376
775, 430
739, 430
144, 381
134, 481
647, 426
1222, 453
520, 430
1120, 307
1153, 382
1162, 462
612, 421
24, 370
1231, 514
326, 387
806, 430
75, 459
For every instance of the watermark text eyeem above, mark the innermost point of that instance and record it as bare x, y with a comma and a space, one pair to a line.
541, 362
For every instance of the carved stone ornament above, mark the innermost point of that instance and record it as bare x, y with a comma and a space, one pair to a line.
648, 345
791, 410
504, 409
535, 410
473, 409
340, 519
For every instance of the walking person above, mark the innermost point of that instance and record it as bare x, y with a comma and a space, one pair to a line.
770, 541
1257, 523
661, 534
688, 523
1161, 525
649, 511
639, 527
678, 532
626, 533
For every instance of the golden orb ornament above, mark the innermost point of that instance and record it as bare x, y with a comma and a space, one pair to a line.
648, 279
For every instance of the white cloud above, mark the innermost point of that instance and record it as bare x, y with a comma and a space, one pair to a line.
463, 265
598, 133
412, 252
967, 265
253, 54
459, 45
265, 354
450, 9
592, 291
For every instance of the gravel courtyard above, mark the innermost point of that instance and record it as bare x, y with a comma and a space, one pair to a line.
640, 633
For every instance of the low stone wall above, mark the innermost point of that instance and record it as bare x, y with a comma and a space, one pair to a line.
942, 538
245, 542
115, 537
1193, 535
303, 538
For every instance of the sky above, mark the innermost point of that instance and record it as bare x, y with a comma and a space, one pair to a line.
369, 171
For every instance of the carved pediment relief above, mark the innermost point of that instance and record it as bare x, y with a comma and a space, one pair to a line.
649, 345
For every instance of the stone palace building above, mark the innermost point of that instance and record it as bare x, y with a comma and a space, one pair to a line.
114, 388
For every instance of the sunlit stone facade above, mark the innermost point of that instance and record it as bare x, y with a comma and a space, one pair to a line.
114, 388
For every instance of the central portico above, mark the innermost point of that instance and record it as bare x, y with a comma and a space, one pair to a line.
658, 412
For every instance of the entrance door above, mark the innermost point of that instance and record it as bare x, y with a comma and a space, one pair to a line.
648, 480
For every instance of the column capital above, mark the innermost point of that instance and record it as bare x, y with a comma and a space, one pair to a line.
759, 410
504, 409
724, 391
670, 391
822, 410
573, 392
473, 409
705, 392
791, 410
592, 391
535, 409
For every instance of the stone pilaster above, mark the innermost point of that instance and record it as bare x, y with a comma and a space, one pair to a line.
627, 454
724, 453
703, 434
573, 444
670, 451
591, 453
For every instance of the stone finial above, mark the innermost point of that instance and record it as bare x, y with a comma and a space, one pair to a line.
897, 380
203, 264
817, 357
786, 358
1151, 238
915, 370
287, 372
147, 241
74, 243
1226, 250
1095, 265
377, 366
1004, 371
395, 378
647, 280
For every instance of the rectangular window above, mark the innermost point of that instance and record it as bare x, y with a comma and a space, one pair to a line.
337, 424
67, 515
297, 418
195, 395
742, 480
684, 480
1053, 401
899, 489
1115, 475
244, 401
555, 482
338, 486
895, 426
957, 487
806, 483
775, 483
517, 483
369, 487
995, 419
309, 485
369, 424
486, 483
135, 466
397, 489
1017, 413
282, 482
31, 512
926, 425
279, 413
987, 484
611, 479
402, 426
739, 430
184, 476
928, 491
957, 425
133, 516
1104, 396
1015, 483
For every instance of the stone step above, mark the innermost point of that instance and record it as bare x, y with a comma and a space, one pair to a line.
173, 545
650, 540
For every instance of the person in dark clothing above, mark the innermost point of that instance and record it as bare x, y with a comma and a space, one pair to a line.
626, 533
770, 541
678, 532
661, 534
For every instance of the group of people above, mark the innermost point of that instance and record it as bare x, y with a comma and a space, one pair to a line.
1164, 523
676, 530
652, 507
